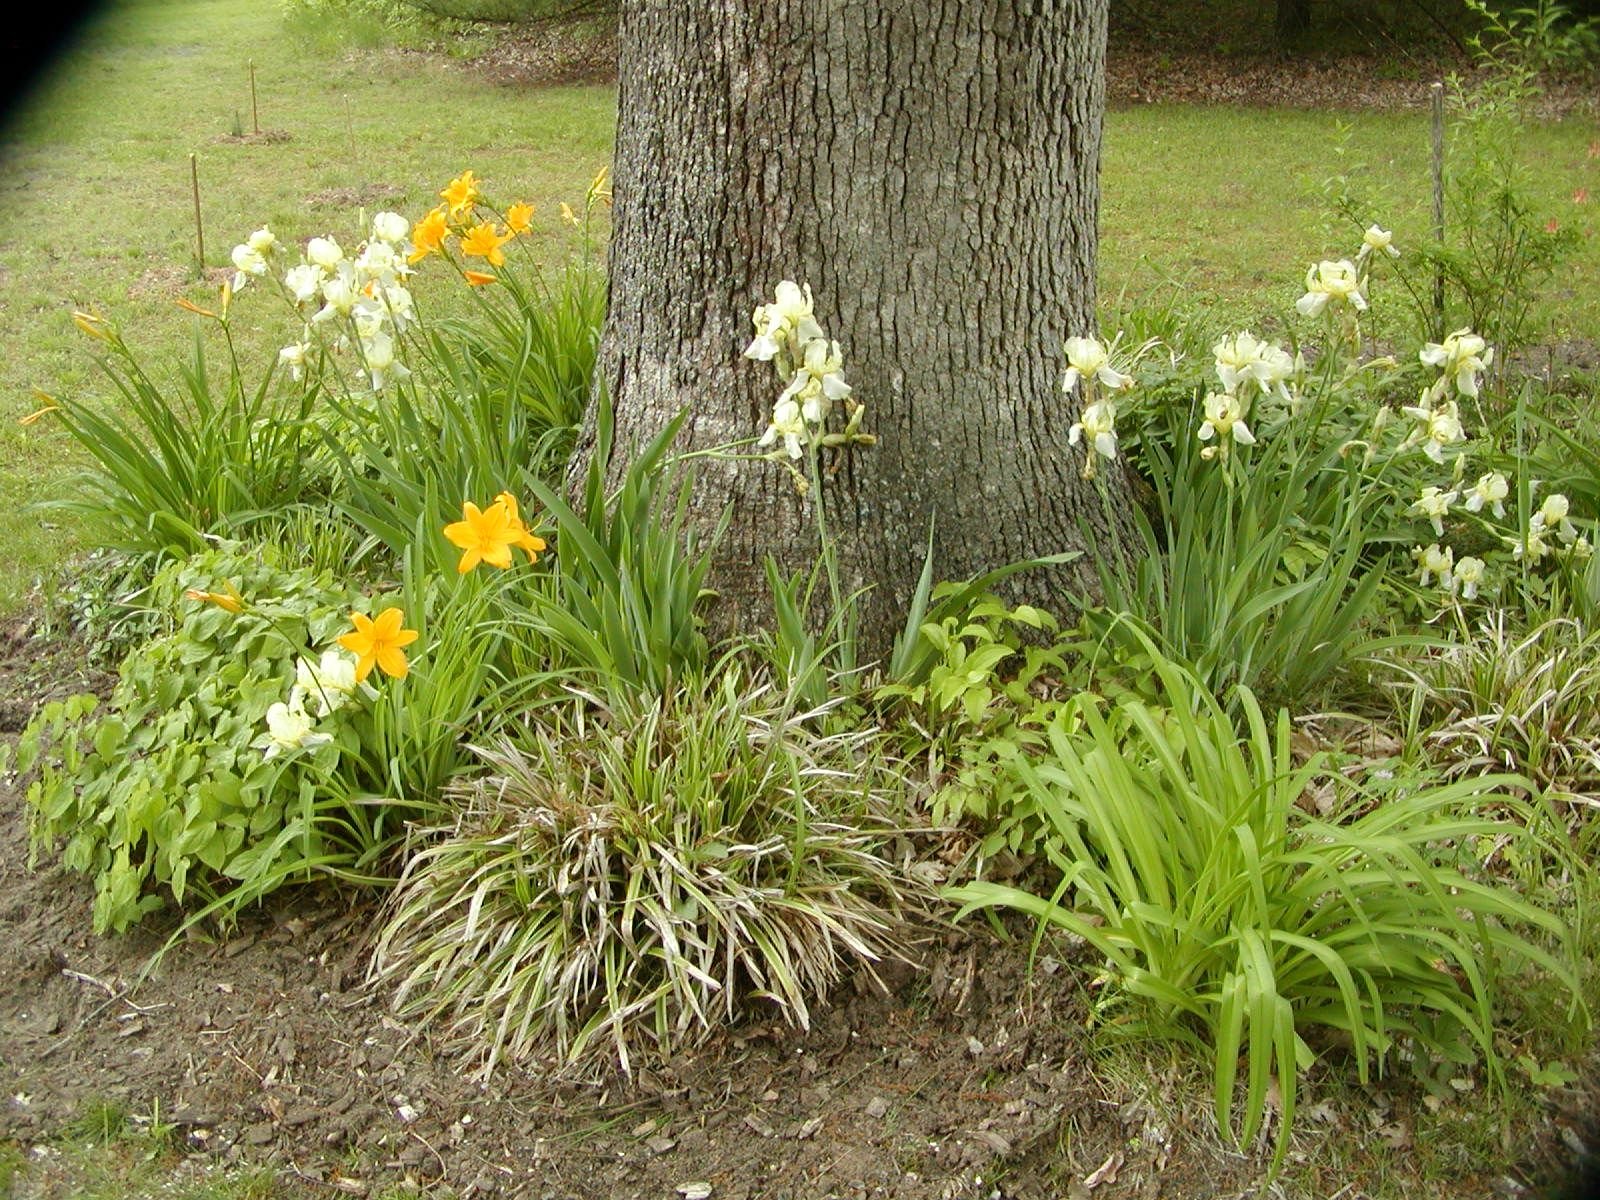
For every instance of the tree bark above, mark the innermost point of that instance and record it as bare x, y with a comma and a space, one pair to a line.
930, 168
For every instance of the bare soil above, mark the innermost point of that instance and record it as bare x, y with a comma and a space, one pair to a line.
1141, 68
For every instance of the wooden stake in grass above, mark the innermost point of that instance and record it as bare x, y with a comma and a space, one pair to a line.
199, 231
255, 114
1438, 207
350, 127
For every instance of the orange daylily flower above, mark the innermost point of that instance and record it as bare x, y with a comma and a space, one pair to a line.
519, 218
38, 414
190, 306
484, 535
526, 540
91, 323
481, 241
461, 193
429, 235
479, 278
378, 642
599, 191
228, 600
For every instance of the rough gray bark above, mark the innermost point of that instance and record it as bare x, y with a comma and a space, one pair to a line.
930, 168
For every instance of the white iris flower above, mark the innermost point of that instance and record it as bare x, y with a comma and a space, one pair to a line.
1462, 357
1088, 358
1099, 428
1436, 428
1469, 574
328, 683
1377, 241
390, 227
304, 282
1433, 561
1224, 420
324, 252
1435, 505
789, 318
288, 729
247, 261
1242, 358
1490, 491
788, 424
1330, 282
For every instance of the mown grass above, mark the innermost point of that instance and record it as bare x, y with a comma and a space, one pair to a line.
105, 1153
97, 209
1222, 207
1211, 209
129, 1170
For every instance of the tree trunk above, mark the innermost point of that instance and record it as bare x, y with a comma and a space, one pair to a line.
930, 169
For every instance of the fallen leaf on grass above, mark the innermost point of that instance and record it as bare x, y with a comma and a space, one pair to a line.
1106, 1172
992, 1140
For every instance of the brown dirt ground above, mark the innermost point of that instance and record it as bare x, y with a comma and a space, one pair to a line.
1140, 69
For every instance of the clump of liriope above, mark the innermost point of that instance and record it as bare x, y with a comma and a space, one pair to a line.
629, 879
1525, 701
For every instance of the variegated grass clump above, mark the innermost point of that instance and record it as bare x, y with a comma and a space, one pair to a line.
631, 878
1510, 699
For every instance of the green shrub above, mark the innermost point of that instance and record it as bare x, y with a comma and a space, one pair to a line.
511, 11
177, 786
981, 696
100, 600
631, 875
359, 22
1498, 251
1233, 919
1537, 37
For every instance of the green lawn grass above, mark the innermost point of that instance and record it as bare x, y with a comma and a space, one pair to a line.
1216, 209
1223, 207
96, 209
